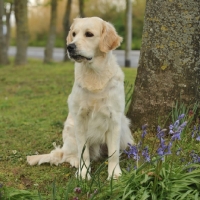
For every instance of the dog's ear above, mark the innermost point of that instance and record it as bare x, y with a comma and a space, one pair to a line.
110, 40
69, 36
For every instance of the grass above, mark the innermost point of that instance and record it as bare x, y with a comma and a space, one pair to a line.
32, 111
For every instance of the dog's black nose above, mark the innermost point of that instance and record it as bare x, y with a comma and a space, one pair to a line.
71, 47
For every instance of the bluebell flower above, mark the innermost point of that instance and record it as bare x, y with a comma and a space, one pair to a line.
176, 136
198, 138
145, 154
163, 148
194, 132
161, 133
133, 152
160, 151
195, 157
171, 129
169, 149
183, 125
176, 129
144, 130
176, 124
158, 129
181, 116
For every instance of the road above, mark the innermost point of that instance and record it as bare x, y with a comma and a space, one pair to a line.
38, 52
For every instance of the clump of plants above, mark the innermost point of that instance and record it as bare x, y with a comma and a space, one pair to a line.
166, 167
164, 170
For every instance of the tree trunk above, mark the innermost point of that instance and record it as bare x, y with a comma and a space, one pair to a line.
128, 38
169, 66
3, 49
8, 14
22, 31
81, 8
48, 52
66, 26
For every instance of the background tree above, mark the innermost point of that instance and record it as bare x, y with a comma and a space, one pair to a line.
66, 26
8, 8
169, 66
22, 31
81, 8
128, 38
48, 52
3, 49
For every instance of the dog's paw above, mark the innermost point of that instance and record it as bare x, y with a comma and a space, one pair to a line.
74, 162
83, 174
116, 174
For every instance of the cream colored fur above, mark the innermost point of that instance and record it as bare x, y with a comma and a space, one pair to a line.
96, 103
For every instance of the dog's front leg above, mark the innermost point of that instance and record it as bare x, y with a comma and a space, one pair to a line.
113, 143
83, 151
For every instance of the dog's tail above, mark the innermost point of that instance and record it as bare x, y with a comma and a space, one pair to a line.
68, 153
54, 158
126, 135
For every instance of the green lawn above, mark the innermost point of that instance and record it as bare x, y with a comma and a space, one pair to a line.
32, 111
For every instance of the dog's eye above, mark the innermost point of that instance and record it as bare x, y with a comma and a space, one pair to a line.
74, 34
89, 34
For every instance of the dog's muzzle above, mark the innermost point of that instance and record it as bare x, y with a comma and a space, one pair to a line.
72, 50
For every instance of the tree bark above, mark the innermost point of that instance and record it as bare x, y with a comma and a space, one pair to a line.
48, 52
8, 14
3, 50
81, 8
128, 38
66, 26
169, 65
22, 31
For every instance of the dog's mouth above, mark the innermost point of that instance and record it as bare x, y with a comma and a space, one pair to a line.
79, 57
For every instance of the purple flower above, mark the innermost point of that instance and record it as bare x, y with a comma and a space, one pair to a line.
163, 148
198, 138
168, 149
145, 154
195, 157
133, 152
161, 133
181, 116
176, 136
75, 198
144, 131
176, 124
196, 133
193, 134
176, 129
160, 151
171, 129
183, 125
77, 190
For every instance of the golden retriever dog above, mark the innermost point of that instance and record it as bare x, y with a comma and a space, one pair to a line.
96, 104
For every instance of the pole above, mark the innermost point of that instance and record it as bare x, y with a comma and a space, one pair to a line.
128, 33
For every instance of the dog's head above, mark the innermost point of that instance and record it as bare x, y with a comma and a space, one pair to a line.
90, 37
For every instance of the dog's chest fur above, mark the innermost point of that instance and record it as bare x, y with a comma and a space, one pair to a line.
97, 108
